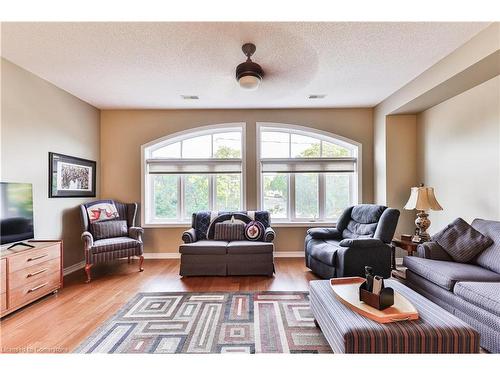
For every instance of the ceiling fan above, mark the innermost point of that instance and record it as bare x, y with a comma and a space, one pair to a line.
249, 74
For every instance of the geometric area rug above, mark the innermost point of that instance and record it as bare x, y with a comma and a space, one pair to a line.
241, 322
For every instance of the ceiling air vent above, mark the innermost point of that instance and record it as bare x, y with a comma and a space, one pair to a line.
316, 96
190, 97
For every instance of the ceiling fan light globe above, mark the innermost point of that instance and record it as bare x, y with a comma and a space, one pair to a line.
249, 82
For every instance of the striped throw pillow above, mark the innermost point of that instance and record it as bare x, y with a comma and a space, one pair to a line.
109, 229
229, 232
461, 241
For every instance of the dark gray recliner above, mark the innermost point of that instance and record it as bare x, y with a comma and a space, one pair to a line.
361, 238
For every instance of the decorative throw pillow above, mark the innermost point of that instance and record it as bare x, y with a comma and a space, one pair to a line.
229, 231
102, 211
254, 231
109, 229
461, 241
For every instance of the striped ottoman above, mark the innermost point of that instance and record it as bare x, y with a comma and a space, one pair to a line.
437, 331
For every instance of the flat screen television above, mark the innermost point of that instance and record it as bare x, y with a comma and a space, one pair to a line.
16, 219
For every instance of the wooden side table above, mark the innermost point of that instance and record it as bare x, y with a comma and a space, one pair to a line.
409, 246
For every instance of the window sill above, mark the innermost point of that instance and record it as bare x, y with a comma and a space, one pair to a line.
294, 224
168, 225
303, 224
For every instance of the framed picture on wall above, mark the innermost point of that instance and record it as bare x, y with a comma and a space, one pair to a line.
70, 176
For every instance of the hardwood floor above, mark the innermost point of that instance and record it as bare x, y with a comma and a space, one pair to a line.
59, 322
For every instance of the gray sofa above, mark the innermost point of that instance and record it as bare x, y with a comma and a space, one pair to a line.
471, 291
361, 238
201, 255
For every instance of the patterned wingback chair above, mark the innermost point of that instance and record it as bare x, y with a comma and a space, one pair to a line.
111, 239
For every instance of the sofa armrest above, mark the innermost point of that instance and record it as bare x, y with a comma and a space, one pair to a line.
432, 250
189, 236
269, 234
88, 240
325, 233
136, 233
361, 242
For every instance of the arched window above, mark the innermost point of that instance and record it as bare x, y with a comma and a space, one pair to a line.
306, 174
190, 171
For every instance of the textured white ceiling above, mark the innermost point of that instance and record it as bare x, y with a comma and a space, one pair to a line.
150, 65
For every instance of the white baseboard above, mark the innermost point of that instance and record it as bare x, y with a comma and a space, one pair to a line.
74, 268
162, 255
277, 254
289, 254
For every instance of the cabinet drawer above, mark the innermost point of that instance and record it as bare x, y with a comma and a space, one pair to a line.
33, 257
3, 275
33, 290
3, 302
32, 273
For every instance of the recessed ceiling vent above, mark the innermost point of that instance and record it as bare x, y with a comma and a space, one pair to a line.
317, 96
190, 97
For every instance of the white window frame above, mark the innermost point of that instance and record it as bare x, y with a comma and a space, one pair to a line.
355, 178
147, 201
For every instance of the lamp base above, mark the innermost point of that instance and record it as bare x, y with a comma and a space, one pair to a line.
423, 223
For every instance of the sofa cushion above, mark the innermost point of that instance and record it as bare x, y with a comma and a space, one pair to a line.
446, 274
249, 247
229, 231
204, 247
482, 294
109, 229
363, 221
489, 258
367, 213
359, 230
113, 244
325, 251
204, 221
461, 241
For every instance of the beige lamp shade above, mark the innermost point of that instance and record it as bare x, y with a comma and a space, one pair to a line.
422, 198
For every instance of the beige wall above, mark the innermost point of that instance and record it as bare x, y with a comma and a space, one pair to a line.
445, 74
123, 132
38, 117
401, 144
459, 154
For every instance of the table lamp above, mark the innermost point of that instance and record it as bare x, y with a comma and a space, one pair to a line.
422, 198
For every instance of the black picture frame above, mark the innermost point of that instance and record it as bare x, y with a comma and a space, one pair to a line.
61, 186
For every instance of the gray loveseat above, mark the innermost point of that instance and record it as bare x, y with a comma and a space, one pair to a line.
202, 255
471, 291
361, 238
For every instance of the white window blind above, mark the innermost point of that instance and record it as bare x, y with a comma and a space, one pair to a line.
308, 165
193, 166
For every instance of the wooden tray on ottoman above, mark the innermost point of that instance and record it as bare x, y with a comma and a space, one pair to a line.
346, 290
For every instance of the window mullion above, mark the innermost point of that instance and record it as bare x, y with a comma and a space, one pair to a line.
211, 191
152, 197
291, 196
180, 197
322, 195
